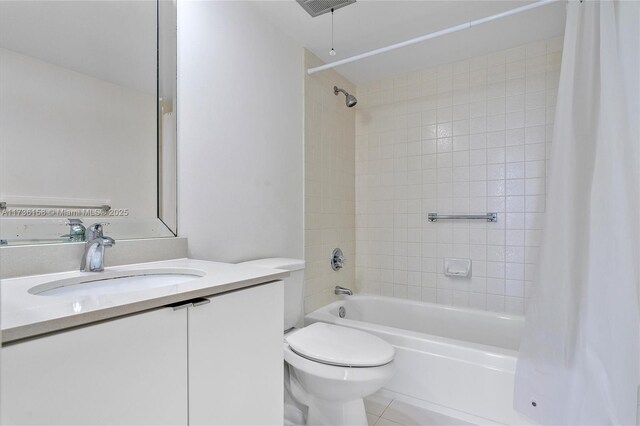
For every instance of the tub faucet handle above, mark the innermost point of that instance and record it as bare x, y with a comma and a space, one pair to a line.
337, 259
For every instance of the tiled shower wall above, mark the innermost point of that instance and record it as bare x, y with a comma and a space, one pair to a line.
329, 184
467, 137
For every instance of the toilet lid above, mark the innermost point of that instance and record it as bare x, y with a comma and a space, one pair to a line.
342, 346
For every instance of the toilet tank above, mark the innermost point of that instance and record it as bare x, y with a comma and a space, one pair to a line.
293, 287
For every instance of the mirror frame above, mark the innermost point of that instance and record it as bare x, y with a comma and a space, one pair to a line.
167, 100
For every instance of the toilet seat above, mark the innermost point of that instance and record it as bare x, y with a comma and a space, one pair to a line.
335, 373
340, 346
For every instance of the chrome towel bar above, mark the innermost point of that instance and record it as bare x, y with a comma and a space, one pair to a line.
4, 205
489, 217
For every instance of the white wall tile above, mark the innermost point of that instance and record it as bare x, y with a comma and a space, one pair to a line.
330, 180
465, 137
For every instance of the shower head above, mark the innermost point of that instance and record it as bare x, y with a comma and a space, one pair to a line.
350, 99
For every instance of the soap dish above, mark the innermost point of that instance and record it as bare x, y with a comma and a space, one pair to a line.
457, 267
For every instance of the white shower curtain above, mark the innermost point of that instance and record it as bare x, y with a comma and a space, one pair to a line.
578, 362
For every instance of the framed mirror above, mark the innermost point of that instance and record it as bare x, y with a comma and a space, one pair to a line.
87, 119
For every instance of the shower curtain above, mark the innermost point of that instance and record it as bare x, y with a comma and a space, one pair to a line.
578, 362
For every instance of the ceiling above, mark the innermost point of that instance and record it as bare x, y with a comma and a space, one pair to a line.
109, 40
370, 24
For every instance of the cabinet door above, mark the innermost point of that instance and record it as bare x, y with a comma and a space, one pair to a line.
131, 370
236, 358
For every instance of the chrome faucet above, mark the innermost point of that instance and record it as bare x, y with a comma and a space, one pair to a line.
342, 290
93, 258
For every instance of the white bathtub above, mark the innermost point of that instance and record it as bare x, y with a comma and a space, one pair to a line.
454, 360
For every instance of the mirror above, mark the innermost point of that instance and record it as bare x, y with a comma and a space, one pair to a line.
87, 118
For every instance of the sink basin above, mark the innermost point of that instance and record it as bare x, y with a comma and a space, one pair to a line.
113, 282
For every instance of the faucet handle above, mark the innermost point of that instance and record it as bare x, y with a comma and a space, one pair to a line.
95, 230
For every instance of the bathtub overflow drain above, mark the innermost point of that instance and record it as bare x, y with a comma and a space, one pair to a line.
342, 312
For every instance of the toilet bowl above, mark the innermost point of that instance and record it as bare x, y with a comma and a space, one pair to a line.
329, 369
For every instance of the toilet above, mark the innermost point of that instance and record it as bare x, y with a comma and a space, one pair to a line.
329, 369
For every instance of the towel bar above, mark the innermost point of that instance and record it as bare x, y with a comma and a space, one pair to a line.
489, 217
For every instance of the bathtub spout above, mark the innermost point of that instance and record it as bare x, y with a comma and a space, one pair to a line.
341, 290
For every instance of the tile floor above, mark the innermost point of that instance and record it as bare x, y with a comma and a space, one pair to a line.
383, 411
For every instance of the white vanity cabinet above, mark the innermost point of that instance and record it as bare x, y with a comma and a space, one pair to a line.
131, 370
215, 363
236, 358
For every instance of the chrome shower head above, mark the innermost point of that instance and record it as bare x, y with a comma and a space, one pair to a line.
350, 99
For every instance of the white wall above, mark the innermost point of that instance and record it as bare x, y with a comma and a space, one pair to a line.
240, 131
467, 137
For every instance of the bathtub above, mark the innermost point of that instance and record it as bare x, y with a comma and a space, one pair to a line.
453, 360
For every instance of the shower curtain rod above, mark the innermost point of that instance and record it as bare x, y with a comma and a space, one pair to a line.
430, 36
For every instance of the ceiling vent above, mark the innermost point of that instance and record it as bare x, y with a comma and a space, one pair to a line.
320, 7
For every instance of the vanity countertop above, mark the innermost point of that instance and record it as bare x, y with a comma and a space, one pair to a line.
27, 315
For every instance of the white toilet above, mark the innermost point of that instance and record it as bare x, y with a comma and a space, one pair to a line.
328, 369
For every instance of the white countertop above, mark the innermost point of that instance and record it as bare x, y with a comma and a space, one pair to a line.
26, 315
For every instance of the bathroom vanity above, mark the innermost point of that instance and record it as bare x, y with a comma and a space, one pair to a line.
90, 141
204, 351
